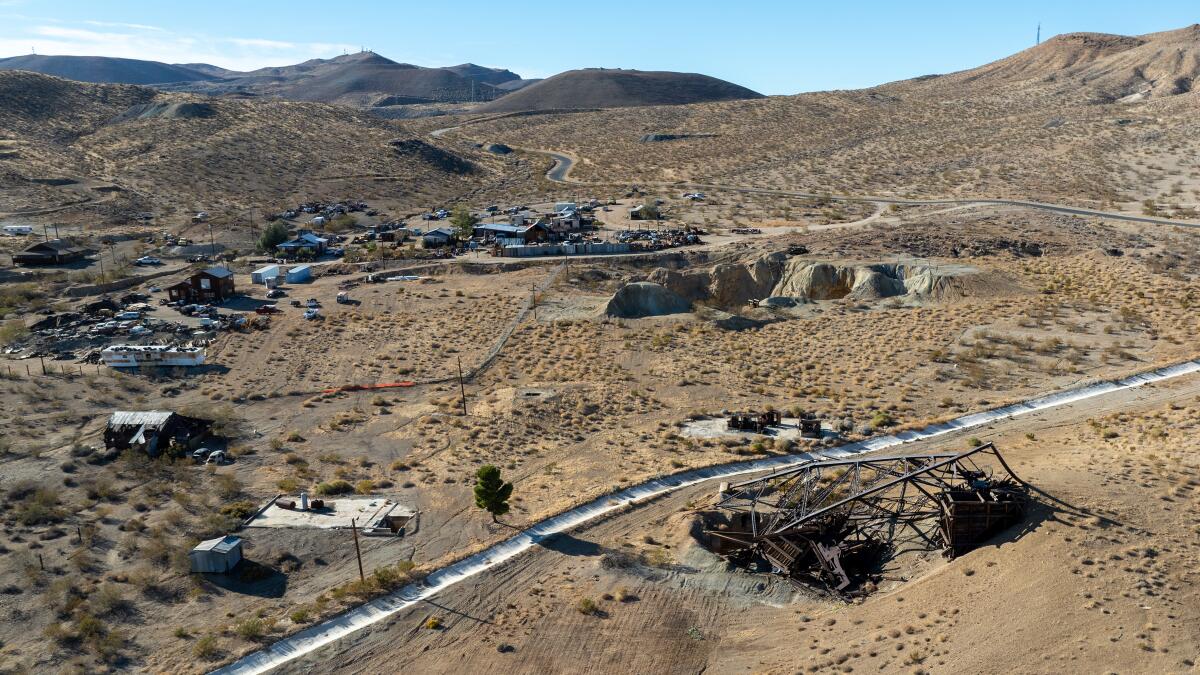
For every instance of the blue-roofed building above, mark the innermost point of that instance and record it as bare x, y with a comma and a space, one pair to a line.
528, 233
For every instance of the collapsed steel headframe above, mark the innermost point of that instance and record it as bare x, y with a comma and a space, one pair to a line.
807, 519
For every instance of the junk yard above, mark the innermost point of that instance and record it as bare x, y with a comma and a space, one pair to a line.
780, 384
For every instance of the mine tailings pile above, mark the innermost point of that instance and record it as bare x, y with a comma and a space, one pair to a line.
780, 280
831, 523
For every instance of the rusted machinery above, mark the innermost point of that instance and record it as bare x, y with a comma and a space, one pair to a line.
829, 522
755, 422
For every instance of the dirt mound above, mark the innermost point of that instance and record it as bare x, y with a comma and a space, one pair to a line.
660, 138
433, 155
643, 298
103, 69
606, 88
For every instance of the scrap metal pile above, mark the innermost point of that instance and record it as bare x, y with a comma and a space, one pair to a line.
831, 522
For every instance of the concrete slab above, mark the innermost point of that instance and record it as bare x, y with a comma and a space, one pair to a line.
788, 429
338, 512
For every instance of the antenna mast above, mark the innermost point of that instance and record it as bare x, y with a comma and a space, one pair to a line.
1039, 33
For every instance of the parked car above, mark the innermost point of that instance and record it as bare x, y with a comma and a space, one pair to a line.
201, 454
217, 457
147, 260
267, 309
312, 303
155, 289
312, 313
198, 258
276, 293
127, 316
139, 330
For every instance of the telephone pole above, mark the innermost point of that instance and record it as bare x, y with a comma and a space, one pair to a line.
358, 553
1039, 33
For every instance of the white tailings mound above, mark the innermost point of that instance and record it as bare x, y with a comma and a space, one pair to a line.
643, 298
311, 639
731, 285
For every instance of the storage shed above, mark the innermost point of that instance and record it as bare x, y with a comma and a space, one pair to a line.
260, 275
216, 556
299, 274
152, 431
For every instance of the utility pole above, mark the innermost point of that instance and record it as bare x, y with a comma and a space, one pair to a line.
462, 390
212, 240
1039, 33
354, 530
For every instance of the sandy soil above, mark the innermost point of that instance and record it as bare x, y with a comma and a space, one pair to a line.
1097, 578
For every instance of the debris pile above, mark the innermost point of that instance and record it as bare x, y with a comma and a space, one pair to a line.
831, 523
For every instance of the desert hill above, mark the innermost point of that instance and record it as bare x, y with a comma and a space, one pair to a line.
360, 79
484, 74
104, 69
1087, 119
608, 88
175, 150
1096, 67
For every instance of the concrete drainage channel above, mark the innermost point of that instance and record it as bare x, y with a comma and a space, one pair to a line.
311, 639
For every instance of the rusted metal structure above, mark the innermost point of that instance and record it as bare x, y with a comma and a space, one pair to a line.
756, 422
829, 521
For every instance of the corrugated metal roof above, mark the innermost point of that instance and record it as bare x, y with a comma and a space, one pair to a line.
220, 544
136, 418
218, 272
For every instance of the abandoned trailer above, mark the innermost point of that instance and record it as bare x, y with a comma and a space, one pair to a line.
153, 431
832, 522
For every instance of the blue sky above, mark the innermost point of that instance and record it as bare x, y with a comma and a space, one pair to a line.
773, 47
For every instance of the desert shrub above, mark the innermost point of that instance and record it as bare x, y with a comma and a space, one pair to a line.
251, 629
882, 419
337, 487
239, 510
364, 487
206, 648
300, 615
586, 606
109, 600
41, 507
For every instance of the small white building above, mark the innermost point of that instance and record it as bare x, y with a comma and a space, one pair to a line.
262, 274
216, 556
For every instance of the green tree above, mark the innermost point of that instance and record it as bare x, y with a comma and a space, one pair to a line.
463, 221
491, 492
275, 234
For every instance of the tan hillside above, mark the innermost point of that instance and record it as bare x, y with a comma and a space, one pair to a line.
1056, 122
234, 153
